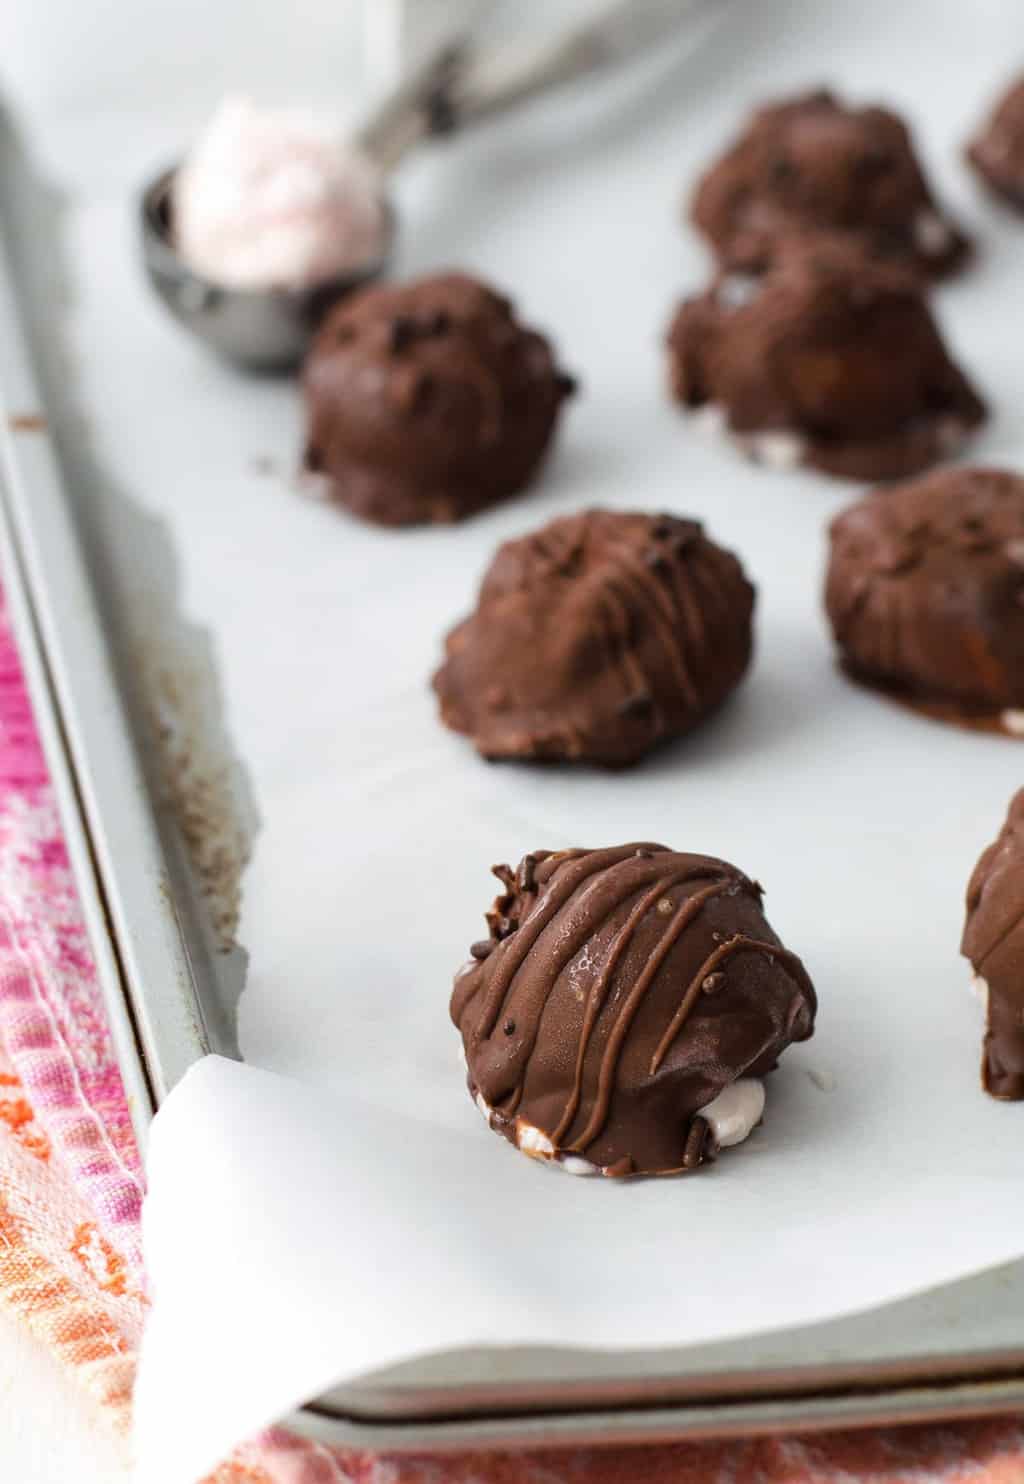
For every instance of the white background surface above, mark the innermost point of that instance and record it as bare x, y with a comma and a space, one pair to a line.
863, 822
49, 1433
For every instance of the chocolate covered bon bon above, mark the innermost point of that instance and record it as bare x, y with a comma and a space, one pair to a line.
925, 593
997, 152
620, 1016
812, 164
994, 942
829, 359
596, 638
429, 401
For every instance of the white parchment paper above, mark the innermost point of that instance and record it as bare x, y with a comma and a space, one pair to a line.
369, 1208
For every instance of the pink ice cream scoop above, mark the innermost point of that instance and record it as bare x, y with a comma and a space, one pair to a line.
275, 199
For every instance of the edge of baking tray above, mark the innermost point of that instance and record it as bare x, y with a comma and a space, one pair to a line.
152, 952
883, 1365
779, 1415
27, 464
81, 854
141, 946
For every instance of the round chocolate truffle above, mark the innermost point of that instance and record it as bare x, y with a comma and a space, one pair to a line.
829, 359
429, 401
621, 1014
597, 637
994, 942
810, 165
997, 152
925, 591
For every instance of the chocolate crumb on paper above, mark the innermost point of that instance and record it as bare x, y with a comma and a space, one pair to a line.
27, 422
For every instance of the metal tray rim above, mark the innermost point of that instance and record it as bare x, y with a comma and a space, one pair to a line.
152, 977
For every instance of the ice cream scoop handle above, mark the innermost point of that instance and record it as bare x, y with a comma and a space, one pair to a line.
490, 84
457, 85
407, 114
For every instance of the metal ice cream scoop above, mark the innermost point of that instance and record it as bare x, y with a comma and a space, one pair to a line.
269, 329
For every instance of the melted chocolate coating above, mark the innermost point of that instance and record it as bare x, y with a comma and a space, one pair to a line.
925, 588
833, 350
428, 401
997, 152
619, 992
994, 942
810, 165
597, 637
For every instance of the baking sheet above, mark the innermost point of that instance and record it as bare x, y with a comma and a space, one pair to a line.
370, 872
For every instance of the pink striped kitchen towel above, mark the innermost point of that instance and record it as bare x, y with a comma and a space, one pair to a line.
71, 1188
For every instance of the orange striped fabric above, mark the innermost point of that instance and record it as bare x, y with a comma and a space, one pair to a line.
45, 1278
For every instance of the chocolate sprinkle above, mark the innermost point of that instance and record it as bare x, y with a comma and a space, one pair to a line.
696, 1143
641, 703
401, 333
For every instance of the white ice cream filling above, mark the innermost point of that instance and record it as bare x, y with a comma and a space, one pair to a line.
1013, 721
732, 1116
710, 421
776, 448
735, 1111
572, 1164
275, 198
533, 1141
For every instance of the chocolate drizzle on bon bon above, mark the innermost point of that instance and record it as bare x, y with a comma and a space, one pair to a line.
994, 942
596, 638
429, 401
830, 359
620, 992
925, 593
812, 165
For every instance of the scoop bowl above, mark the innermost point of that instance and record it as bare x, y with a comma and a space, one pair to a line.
259, 329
